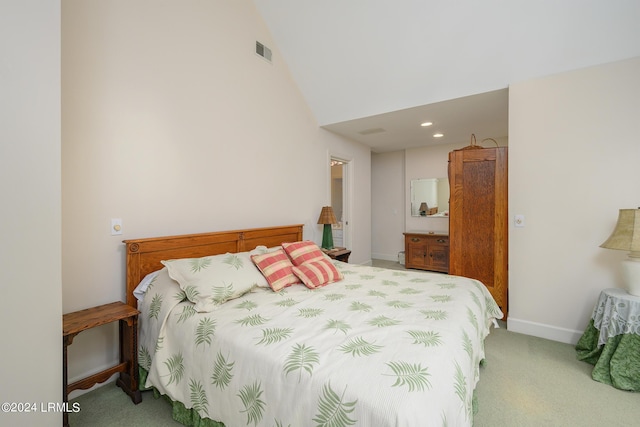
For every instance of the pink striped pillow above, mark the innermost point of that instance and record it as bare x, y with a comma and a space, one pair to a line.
276, 268
319, 273
302, 252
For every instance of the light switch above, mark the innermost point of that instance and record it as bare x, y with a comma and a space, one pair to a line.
116, 226
519, 220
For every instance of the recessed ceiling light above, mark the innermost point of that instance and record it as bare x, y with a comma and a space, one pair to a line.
425, 124
438, 135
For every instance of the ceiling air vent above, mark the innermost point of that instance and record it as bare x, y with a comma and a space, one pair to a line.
263, 51
371, 131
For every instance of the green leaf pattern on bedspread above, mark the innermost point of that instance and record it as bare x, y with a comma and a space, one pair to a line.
380, 347
222, 372
247, 305
253, 320
359, 347
426, 338
460, 385
414, 376
434, 314
144, 357
191, 292
337, 325
198, 397
333, 411
187, 312
310, 312
301, 358
156, 306
273, 335
205, 330
221, 293
175, 366
382, 321
253, 405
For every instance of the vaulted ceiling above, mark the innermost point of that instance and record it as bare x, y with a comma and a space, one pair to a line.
373, 70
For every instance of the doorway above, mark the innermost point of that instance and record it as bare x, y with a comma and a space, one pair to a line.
339, 186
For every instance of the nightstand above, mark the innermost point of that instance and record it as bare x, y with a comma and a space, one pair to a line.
611, 341
340, 254
76, 322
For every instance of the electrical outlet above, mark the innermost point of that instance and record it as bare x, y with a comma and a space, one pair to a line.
116, 226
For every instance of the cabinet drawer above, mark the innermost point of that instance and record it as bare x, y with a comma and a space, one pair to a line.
440, 240
428, 240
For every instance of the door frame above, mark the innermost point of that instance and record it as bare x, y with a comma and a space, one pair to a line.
347, 193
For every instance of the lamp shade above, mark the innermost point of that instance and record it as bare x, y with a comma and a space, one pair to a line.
626, 235
327, 216
423, 207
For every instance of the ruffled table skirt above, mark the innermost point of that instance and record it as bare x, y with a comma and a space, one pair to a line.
616, 363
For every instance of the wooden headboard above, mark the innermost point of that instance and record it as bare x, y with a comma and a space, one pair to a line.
144, 255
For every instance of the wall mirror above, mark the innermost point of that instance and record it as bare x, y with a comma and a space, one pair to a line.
430, 197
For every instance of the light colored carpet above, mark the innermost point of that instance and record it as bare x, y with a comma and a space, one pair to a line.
525, 382
532, 382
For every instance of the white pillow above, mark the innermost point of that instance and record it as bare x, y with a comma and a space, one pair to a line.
141, 289
213, 280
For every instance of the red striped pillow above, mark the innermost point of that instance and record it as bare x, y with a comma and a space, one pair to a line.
302, 252
276, 268
317, 273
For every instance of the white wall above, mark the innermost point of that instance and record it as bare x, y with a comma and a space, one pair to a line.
387, 205
382, 56
172, 123
30, 277
573, 163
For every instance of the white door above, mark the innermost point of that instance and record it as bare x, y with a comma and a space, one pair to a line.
340, 201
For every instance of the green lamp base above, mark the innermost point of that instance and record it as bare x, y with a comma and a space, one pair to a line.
327, 237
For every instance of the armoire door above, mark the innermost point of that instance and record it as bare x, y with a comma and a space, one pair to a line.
478, 221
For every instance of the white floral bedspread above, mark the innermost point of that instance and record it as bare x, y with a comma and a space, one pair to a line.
380, 348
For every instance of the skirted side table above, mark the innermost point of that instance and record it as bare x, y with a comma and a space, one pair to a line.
612, 340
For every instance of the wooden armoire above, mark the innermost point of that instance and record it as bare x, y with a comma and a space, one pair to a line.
478, 220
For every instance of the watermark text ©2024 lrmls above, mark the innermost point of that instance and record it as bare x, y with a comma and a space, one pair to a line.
25, 407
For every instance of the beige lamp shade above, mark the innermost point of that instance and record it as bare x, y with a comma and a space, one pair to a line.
626, 235
327, 216
423, 207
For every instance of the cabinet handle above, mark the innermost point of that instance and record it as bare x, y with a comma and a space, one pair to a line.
441, 240
415, 239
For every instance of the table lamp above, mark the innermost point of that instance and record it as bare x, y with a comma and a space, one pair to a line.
423, 209
626, 237
327, 217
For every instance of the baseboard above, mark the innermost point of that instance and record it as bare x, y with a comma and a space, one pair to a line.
541, 330
385, 257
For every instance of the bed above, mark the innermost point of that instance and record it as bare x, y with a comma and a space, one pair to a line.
372, 347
